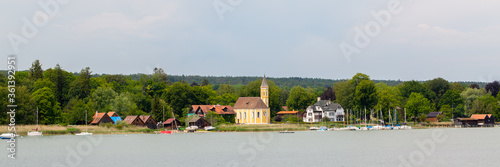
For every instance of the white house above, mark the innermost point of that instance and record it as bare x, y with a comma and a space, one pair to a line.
324, 108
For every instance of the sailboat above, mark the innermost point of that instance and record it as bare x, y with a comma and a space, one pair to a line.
86, 133
36, 132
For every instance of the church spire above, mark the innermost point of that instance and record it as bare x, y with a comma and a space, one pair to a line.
264, 91
264, 82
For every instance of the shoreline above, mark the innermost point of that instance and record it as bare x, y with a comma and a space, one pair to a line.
55, 130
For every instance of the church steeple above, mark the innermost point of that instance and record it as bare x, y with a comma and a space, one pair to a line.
264, 91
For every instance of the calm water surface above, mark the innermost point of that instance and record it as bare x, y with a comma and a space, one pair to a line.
459, 147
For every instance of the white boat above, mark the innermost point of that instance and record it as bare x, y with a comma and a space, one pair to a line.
86, 133
313, 128
36, 132
9, 135
364, 128
209, 128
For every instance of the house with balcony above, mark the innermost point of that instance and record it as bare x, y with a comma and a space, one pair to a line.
324, 109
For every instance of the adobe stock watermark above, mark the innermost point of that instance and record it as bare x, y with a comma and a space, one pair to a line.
40, 19
426, 147
250, 148
221, 7
11, 105
76, 154
372, 29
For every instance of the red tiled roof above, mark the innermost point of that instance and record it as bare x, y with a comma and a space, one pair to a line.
214, 108
287, 112
250, 103
145, 118
480, 116
130, 119
170, 120
97, 117
112, 114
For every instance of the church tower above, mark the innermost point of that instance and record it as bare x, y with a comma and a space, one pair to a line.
264, 91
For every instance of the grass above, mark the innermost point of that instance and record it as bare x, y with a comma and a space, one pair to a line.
68, 130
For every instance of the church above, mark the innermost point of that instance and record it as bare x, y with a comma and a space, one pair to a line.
254, 110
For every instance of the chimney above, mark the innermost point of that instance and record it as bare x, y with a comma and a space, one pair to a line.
319, 98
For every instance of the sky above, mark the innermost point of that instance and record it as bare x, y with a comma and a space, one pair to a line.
458, 40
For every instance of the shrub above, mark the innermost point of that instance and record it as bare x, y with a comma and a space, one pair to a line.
72, 130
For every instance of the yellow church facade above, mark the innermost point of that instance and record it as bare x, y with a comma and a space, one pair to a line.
254, 110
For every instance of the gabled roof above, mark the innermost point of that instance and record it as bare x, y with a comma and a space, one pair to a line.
214, 108
327, 105
131, 118
250, 103
112, 114
264, 82
194, 119
145, 118
170, 120
480, 116
98, 117
434, 114
287, 112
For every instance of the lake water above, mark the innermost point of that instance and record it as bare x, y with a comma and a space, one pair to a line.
448, 147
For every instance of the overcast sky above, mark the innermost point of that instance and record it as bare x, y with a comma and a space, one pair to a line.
458, 40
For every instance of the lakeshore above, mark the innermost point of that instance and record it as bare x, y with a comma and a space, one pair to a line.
111, 130
335, 148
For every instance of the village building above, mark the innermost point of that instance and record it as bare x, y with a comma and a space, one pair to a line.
226, 111
134, 120
200, 122
101, 118
171, 123
484, 119
324, 109
148, 121
280, 115
254, 110
114, 116
433, 117
466, 122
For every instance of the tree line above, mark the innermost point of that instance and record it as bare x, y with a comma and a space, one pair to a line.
63, 97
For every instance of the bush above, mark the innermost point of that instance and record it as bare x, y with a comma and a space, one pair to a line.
120, 125
107, 125
72, 130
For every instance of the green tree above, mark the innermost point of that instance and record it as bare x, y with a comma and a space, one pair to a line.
49, 109
103, 98
225, 99
469, 96
451, 98
417, 104
124, 105
80, 87
205, 82
388, 98
300, 99
413, 86
366, 95
74, 112
344, 93
438, 86
179, 96
225, 88
36, 71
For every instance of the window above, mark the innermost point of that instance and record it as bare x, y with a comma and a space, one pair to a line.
258, 114
253, 115
245, 115
264, 114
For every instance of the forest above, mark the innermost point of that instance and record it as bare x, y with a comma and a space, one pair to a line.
63, 97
